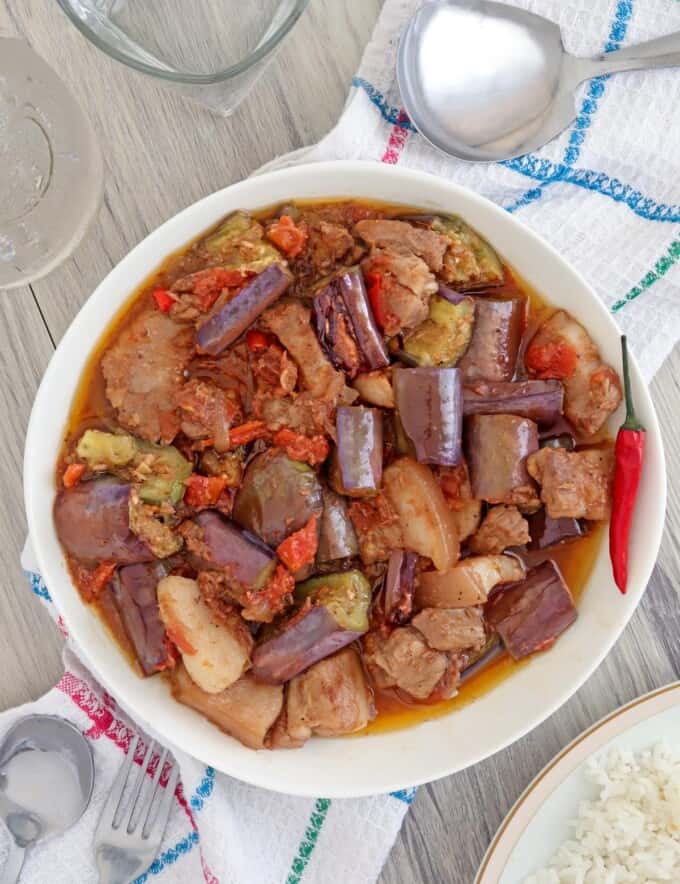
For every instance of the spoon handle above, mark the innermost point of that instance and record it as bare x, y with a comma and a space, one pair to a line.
664, 52
9, 874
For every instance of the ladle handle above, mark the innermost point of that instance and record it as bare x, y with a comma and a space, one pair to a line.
663, 52
9, 874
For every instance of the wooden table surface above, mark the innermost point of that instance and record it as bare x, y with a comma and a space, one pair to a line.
161, 154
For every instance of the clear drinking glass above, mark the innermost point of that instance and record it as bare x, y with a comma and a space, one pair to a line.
212, 51
51, 170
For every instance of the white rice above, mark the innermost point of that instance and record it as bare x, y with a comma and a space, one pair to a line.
631, 833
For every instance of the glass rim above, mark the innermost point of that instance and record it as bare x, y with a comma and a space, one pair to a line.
188, 78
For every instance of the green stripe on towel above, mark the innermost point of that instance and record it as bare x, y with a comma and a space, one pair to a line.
309, 839
661, 268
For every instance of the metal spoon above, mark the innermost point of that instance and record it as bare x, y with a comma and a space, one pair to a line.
46, 780
484, 81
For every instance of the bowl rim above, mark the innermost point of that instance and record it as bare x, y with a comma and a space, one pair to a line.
187, 77
264, 772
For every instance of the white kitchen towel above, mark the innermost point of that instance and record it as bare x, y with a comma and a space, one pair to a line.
607, 195
221, 831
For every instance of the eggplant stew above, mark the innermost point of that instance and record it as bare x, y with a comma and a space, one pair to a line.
332, 461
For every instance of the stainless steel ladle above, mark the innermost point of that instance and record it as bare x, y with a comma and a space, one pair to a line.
28, 806
484, 81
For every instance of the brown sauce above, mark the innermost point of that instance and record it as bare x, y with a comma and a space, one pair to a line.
91, 408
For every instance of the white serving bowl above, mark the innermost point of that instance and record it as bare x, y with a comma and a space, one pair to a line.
346, 767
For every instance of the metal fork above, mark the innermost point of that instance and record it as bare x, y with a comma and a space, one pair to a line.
129, 833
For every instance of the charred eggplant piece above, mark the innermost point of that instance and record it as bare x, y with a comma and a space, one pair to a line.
226, 546
497, 446
445, 335
93, 523
496, 338
166, 468
277, 496
530, 615
469, 262
134, 592
359, 449
231, 320
239, 244
345, 325
429, 403
399, 586
540, 401
337, 538
337, 616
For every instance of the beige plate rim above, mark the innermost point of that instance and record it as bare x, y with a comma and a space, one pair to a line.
560, 767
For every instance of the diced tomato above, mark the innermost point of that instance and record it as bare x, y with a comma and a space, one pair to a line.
264, 604
288, 236
300, 548
164, 299
73, 474
376, 297
259, 341
247, 432
554, 359
203, 490
210, 284
312, 450
92, 583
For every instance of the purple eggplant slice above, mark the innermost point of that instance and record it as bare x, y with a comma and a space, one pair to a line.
399, 586
359, 449
134, 592
231, 320
337, 538
93, 523
334, 614
546, 532
345, 325
277, 496
497, 446
430, 408
530, 615
495, 343
224, 545
540, 401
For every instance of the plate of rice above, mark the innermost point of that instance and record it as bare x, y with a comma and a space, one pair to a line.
606, 810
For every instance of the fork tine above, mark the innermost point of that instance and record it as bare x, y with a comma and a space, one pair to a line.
112, 805
159, 822
139, 782
151, 795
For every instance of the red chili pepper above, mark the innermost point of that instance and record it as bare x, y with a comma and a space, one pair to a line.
164, 299
629, 455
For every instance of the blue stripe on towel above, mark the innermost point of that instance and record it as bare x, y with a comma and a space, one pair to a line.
38, 586
405, 795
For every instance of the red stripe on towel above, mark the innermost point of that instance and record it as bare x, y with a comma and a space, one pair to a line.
105, 724
397, 139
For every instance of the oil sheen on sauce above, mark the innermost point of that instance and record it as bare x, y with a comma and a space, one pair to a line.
90, 407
